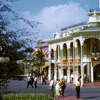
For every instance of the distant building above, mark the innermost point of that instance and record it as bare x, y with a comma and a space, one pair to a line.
44, 47
76, 50
27, 64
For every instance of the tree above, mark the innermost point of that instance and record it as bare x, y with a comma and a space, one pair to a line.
39, 59
13, 46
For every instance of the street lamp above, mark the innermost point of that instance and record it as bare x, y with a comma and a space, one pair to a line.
0, 48
95, 51
4, 59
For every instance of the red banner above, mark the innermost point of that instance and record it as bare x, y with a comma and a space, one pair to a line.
71, 60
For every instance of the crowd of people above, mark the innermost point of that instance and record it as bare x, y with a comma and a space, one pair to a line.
60, 87
57, 86
32, 79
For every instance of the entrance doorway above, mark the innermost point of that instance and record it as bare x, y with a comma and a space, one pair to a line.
97, 73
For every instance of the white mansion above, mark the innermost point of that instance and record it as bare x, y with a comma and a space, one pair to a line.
76, 51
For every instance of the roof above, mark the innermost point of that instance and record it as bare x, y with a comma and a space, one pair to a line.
38, 44
82, 23
29, 57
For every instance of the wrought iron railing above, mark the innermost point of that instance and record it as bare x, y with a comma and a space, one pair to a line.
95, 9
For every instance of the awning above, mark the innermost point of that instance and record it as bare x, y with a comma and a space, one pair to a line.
45, 52
44, 66
34, 53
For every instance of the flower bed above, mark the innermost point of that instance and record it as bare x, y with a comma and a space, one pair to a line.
25, 97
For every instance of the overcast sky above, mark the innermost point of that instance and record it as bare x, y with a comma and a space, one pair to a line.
51, 12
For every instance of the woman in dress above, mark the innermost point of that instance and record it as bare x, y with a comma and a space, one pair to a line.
58, 89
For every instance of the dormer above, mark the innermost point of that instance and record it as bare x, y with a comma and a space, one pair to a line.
56, 35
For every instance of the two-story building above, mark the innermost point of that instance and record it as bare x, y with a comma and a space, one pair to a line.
76, 50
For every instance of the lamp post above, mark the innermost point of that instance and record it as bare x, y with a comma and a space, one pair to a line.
0, 48
4, 59
95, 51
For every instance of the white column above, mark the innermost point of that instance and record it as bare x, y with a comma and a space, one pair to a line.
61, 59
92, 72
74, 79
55, 66
68, 65
76, 64
82, 65
49, 69
58, 52
88, 72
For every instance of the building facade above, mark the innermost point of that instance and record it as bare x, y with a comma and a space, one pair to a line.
76, 51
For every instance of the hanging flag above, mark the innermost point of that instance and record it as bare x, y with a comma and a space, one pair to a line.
39, 30
39, 33
56, 26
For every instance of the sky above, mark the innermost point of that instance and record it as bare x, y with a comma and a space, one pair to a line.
53, 14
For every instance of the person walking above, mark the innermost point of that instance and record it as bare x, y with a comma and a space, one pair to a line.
52, 87
32, 80
58, 89
42, 75
78, 88
29, 82
35, 82
62, 83
44, 80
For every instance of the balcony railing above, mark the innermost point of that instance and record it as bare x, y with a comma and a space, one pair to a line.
95, 9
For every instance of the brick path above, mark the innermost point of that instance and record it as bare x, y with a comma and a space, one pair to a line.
87, 85
68, 98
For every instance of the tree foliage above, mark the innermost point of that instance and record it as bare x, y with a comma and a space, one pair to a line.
39, 59
13, 46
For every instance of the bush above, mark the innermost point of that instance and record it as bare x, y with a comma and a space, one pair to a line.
25, 97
